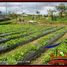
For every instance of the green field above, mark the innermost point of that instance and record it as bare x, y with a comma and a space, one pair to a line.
25, 43
33, 33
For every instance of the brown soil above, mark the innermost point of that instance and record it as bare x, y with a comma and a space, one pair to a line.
65, 36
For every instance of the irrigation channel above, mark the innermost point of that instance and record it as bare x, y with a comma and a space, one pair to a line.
4, 49
35, 54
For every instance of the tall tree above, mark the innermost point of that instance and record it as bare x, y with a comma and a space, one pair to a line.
61, 8
51, 14
37, 12
0, 12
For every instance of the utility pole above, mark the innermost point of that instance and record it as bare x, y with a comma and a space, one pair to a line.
6, 9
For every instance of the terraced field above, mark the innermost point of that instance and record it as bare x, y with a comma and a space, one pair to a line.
26, 44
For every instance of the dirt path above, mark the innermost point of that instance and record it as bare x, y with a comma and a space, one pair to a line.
65, 36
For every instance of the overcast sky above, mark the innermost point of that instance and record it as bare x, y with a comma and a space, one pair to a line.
29, 7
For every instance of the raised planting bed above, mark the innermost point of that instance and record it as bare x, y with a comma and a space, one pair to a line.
20, 53
13, 44
21, 35
34, 54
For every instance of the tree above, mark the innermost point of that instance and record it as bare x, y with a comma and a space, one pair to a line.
51, 14
23, 15
61, 8
13, 16
0, 12
37, 12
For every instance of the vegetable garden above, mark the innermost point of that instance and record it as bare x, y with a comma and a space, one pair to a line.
17, 47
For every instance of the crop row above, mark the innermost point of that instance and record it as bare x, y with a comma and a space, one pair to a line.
21, 53
29, 32
47, 57
34, 54
18, 27
12, 44
18, 30
21, 35
61, 48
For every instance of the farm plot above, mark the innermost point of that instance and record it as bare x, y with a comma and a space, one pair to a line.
35, 54
7, 44
30, 51
46, 57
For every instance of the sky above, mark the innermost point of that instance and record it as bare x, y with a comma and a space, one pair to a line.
28, 7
